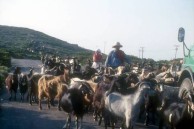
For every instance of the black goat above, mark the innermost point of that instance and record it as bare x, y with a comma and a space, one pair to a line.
23, 85
177, 115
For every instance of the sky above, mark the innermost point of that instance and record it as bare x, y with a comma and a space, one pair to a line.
99, 24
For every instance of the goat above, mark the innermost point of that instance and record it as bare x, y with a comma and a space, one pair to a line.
11, 82
154, 101
52, 86
73, 102
33, 88
23, 85
87, 89
127, 106
177, 115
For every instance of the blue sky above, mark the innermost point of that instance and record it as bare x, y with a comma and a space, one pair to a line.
93, 24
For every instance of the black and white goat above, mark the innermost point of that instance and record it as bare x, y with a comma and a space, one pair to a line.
73, 102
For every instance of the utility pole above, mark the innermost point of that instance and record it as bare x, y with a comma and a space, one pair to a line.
142, 50
139, 52
176, 49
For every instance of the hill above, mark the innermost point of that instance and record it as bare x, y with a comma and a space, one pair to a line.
24, 43
28, 43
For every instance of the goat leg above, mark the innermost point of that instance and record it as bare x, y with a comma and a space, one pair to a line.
10, 95
48, 103
81, 123
30, 99
40, 106
15, 96
59, 104
147, 118
76, 122
95, 114
68, 122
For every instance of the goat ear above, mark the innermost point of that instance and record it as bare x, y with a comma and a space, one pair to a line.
51, 83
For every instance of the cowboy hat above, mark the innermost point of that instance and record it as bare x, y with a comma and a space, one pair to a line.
117, 45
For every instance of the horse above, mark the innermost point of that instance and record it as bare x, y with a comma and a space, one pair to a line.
11, 82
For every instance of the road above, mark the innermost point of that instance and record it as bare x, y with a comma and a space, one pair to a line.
20, 115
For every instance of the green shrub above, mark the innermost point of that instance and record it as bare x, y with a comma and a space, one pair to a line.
3, 74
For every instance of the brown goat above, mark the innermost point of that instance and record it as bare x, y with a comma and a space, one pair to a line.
52, 87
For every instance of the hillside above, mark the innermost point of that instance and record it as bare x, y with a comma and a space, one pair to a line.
24, 43
28, 43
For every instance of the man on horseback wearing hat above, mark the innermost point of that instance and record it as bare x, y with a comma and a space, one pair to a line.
116, 57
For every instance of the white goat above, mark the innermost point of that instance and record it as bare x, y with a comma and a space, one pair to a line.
127, 106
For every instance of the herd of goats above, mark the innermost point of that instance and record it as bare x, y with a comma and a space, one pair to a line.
124, 94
